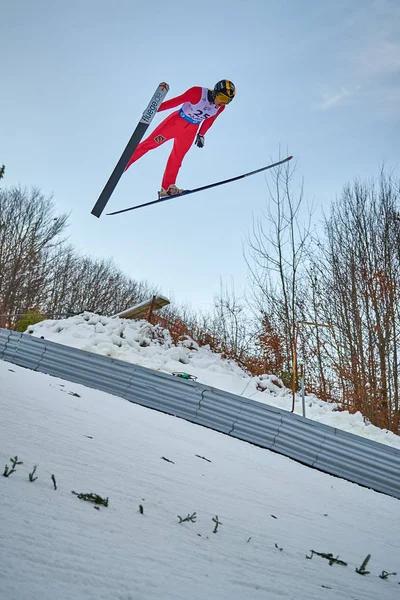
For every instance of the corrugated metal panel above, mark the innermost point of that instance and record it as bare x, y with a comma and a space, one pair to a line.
218, 410
11, 346
4, 335
361, 460
163, 392
299, 438
331, 450
258, 423
28, 352
90, 369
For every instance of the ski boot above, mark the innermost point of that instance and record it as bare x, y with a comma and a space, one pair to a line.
173, 190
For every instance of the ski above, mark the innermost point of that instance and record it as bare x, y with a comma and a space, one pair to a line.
204, 187
137, 135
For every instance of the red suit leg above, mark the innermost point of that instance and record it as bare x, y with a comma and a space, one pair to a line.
173, 127
162, 133
182, 144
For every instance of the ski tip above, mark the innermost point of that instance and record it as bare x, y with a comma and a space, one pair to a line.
289, 158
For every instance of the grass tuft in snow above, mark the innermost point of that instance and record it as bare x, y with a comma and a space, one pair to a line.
385, 574
203, 457
217, 523
330, 557
14, 461
192, 518
32, 477
362, 570
54, 481
95, 498
167, 460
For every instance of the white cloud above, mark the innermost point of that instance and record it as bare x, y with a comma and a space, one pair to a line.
333, 99
367, 52
376, 33
379, 57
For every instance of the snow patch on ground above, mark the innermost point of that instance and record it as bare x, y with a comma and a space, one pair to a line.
272, 511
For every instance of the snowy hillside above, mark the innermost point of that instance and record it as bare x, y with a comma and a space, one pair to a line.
250, 518
140, 343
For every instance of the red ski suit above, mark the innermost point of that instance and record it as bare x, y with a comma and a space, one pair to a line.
177, 128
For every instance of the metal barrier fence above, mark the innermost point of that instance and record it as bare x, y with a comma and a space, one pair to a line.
326, 448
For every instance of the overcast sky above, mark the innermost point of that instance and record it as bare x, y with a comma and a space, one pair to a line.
317, 79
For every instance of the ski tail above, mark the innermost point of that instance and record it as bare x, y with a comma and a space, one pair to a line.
133, 143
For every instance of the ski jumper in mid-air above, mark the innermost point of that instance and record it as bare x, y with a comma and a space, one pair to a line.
200, 107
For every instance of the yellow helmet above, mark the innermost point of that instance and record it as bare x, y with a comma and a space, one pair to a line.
224, 91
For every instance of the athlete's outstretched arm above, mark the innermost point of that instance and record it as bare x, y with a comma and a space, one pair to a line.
206, 124
192, 95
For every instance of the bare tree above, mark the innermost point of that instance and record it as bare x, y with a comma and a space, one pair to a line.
230, 324
276, 254
80, 283
39, 269
358, 271
28, 231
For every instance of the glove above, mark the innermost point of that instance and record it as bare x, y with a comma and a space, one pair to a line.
199, 140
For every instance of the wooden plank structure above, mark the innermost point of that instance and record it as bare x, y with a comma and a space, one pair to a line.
145, 309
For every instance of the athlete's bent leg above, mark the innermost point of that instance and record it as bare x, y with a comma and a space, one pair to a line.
181, 146
163, 132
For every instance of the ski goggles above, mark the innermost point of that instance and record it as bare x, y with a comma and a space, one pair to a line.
222, 98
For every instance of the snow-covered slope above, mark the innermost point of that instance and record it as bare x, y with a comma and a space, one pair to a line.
272, 511
140, 343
